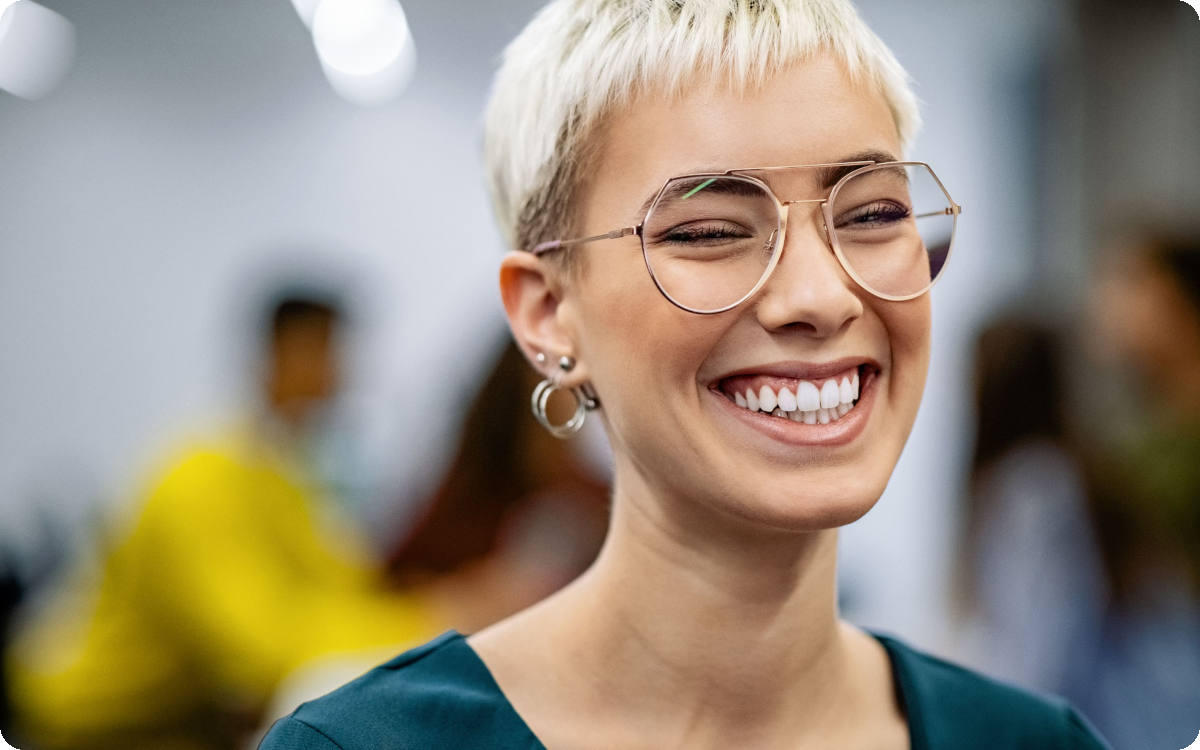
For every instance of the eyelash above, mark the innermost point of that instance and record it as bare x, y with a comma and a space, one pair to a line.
866, 215
685, 234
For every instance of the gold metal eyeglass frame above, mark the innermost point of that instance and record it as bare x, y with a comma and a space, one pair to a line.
859, 167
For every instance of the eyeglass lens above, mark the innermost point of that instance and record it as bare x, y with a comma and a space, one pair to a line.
709, 240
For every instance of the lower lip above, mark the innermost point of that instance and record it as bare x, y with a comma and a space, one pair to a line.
841, 432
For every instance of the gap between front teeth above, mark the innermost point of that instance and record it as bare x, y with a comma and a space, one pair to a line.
808, 404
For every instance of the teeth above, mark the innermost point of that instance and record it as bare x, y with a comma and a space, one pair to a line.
787, 401
766, 399
808, 398
830, 394
808, 404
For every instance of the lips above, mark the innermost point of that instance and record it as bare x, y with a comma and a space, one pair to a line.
824, 395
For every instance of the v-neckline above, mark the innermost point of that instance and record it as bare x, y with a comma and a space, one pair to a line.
902, 680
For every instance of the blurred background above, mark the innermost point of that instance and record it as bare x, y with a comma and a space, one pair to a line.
195, 197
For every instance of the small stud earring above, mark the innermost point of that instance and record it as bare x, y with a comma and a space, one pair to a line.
541, 358
566, 364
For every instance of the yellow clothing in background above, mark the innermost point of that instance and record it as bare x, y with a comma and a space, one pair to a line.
227, 581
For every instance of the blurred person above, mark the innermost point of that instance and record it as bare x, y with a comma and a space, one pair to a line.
517, 516
1142, 679
230, 574
717, 251
1030, 588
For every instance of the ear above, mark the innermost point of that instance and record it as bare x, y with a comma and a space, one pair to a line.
532, 292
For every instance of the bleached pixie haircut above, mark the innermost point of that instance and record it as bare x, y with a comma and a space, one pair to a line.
579, 60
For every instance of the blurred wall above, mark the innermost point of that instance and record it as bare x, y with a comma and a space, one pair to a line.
1118, 146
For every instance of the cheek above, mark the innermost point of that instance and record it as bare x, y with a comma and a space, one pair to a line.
642, 352
619, 320
908, 327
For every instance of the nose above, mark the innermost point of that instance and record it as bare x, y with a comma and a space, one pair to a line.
808, 291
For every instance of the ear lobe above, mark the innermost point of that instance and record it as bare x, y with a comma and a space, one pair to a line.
531, 294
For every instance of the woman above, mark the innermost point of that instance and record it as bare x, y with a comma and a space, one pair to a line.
1030, 583
755, 340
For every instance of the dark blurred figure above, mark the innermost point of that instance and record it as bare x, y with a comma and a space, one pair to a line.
517, 515
60, 509
11, 593
1142, 682
228, 576
1030, 586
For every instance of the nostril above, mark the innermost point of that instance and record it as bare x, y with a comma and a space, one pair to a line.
800, 325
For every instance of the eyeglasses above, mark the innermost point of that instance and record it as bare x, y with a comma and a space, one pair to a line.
711, 241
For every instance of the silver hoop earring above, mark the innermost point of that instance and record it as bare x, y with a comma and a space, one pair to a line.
584, 402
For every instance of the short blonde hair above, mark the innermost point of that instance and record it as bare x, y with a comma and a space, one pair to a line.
579, 60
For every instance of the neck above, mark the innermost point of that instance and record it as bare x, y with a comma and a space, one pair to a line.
287, 412
731, 630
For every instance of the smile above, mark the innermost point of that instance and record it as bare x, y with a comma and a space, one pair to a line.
806, 401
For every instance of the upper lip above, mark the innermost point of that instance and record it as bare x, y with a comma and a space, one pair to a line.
802, 370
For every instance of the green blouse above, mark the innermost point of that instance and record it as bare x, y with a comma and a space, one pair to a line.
441, 695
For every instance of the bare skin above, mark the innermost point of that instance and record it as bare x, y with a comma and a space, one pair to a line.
709, 619
613, 662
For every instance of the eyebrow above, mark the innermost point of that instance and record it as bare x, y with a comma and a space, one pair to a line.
686, 189
827, 177
830, 175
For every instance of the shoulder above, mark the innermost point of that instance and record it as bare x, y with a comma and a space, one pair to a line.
951, 706
196, 461
213, 475
436, 695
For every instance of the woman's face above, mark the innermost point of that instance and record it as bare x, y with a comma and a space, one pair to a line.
667, 378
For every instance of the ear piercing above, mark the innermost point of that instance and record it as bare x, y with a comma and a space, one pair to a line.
585, 399
565, 363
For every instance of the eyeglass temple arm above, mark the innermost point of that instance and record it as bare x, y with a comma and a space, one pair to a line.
544, 247
947, 211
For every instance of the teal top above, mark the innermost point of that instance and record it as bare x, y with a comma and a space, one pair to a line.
441, 695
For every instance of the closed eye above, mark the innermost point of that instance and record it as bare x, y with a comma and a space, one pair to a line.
873, 215
704, 233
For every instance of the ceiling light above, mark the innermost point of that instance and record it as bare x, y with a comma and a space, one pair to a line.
37, 47
365, 48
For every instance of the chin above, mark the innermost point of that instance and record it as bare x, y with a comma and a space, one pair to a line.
815, 506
